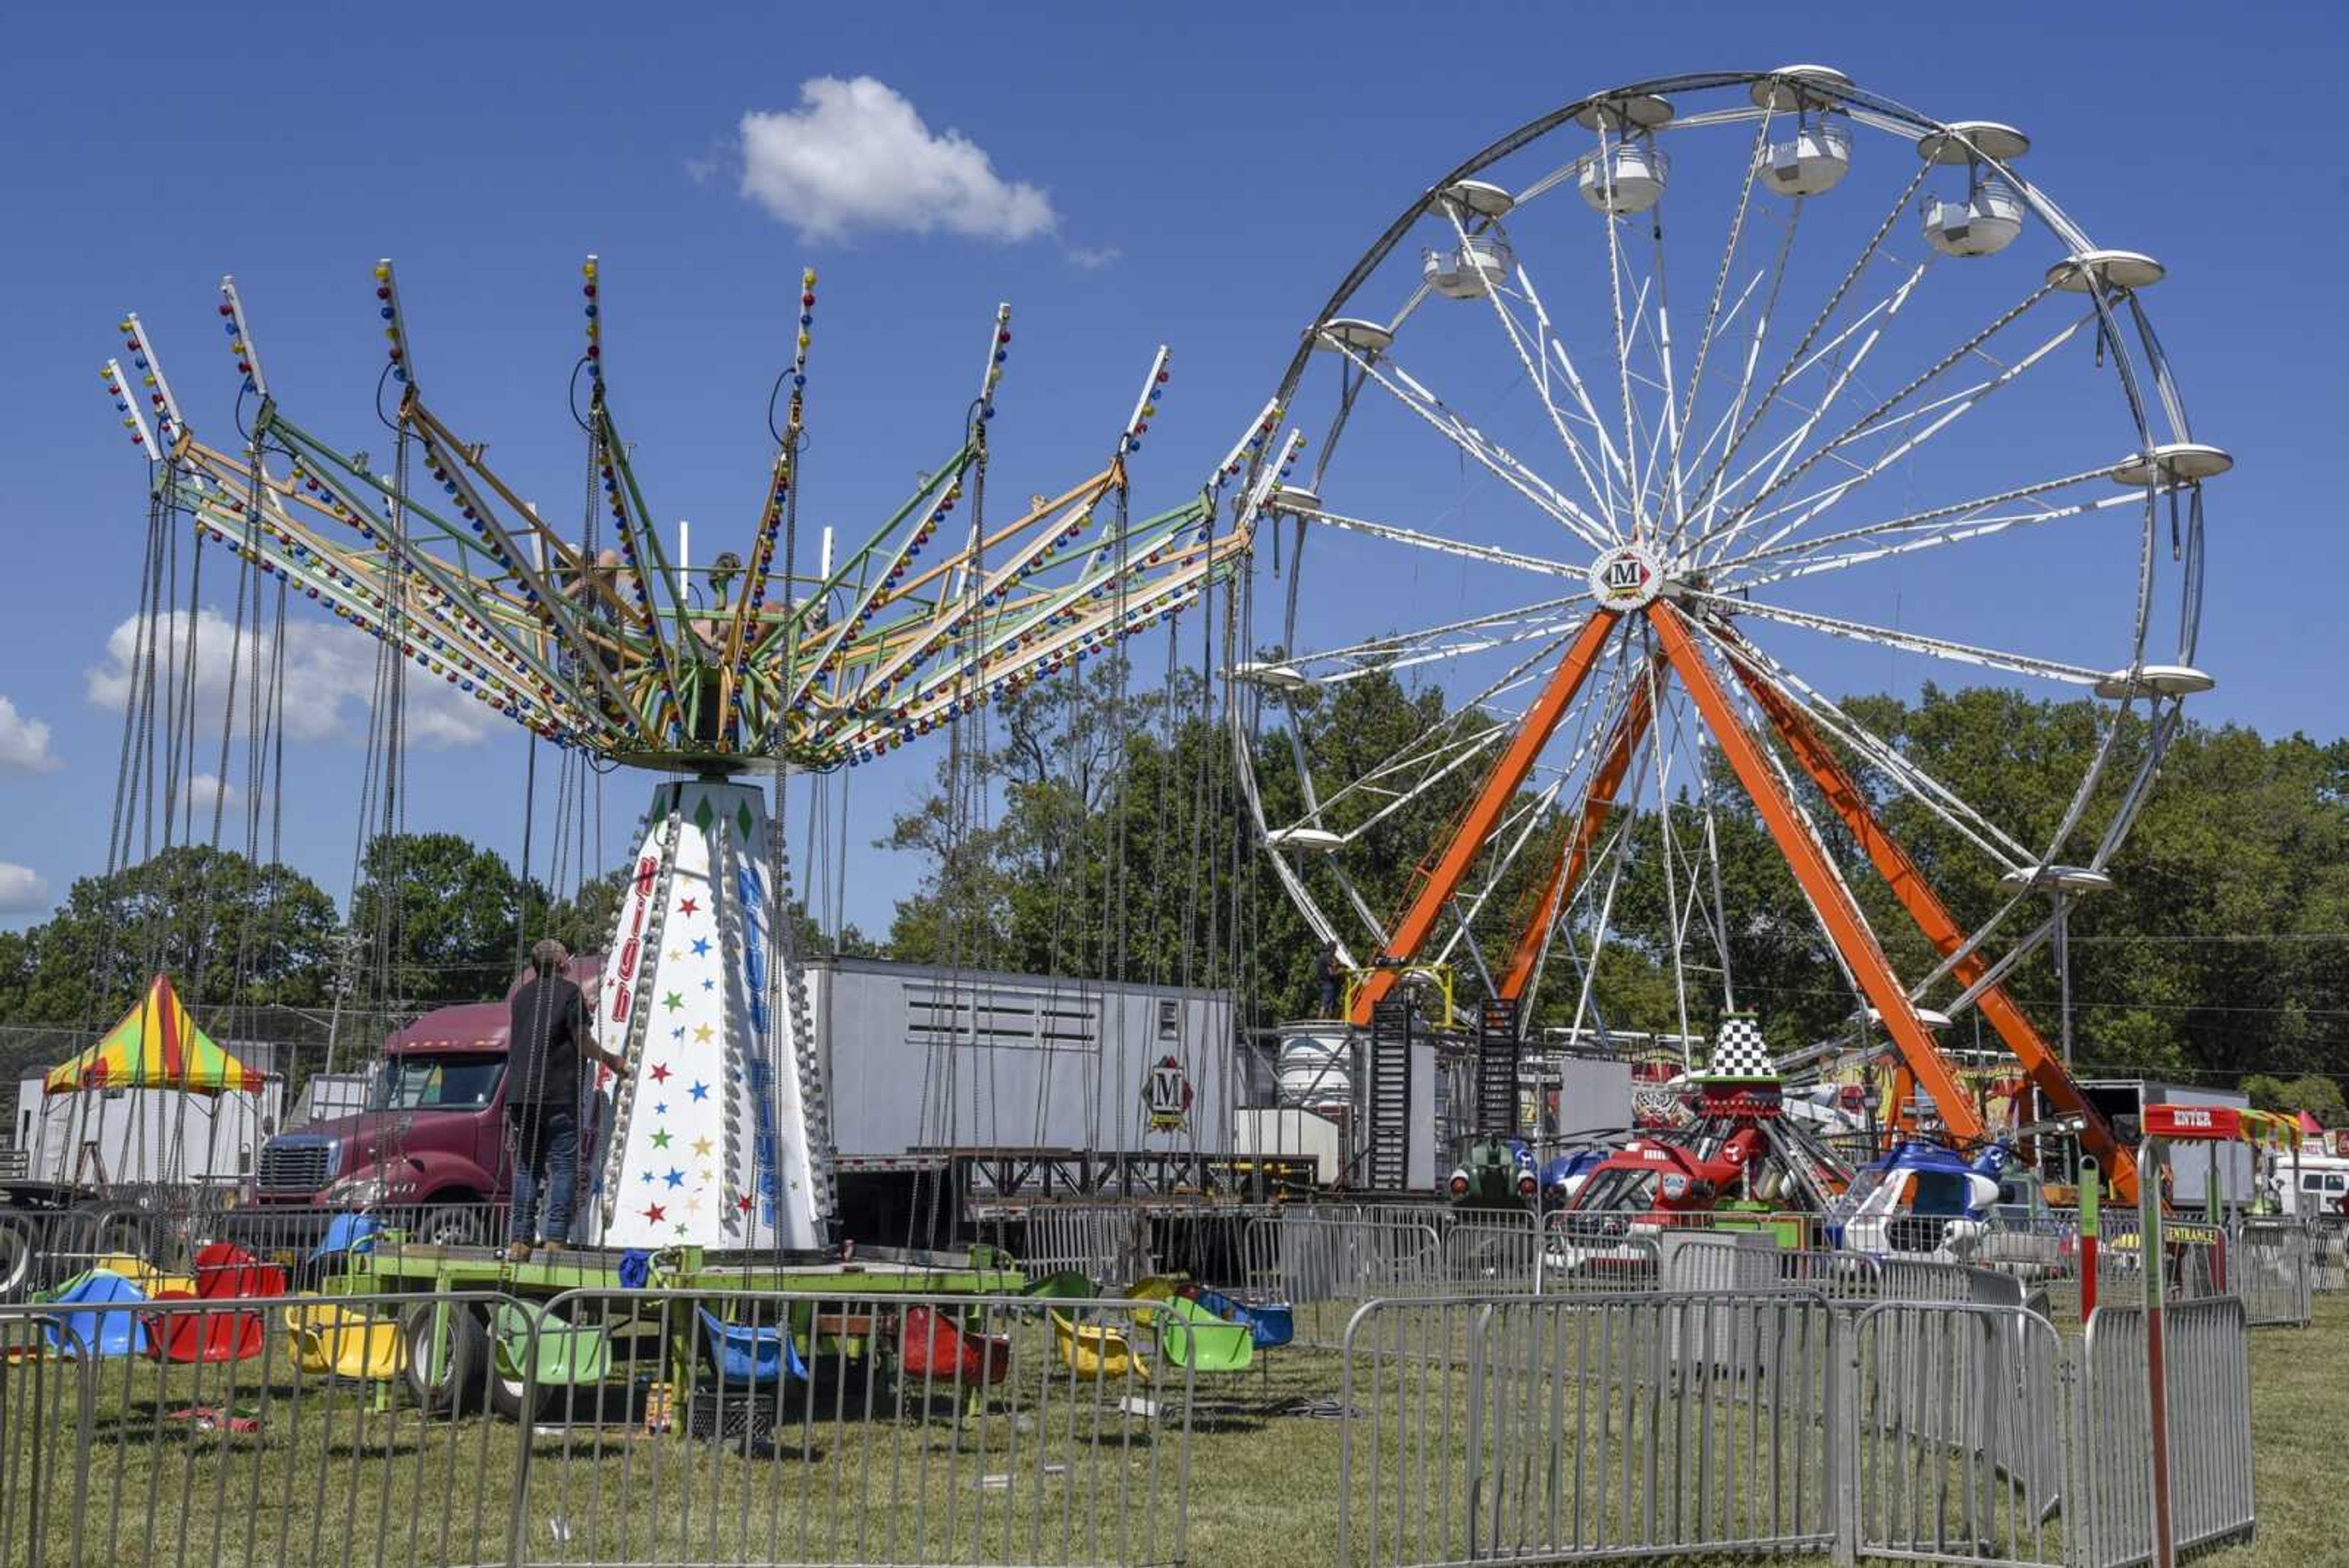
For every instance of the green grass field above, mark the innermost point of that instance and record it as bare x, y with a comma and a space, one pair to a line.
290, 1472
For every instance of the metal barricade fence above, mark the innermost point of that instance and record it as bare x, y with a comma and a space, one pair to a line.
2209, 1427
472, 1428
1108, 1242
857, 1429
1545, 1428
300, 1432
2329, 1255
2271, 1267
1953, 1415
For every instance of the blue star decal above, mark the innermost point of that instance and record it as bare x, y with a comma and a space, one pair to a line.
701, 947
675, 1178
709, 985
661, 1109
648, 1177
678, 1033
700, 1091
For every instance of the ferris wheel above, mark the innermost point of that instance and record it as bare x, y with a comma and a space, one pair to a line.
1644, 434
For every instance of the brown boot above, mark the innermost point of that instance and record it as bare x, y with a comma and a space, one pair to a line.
518, 1253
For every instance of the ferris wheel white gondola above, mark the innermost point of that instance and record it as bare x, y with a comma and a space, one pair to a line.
1815, 160
1724, 448
1470, 269
1989, 216
1628, 173
1925, 1015
2154, 681
1479, 198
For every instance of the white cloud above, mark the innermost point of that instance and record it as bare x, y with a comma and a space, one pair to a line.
25, 742
22, 890
855, 155
204, 792
329, 681
1093, 258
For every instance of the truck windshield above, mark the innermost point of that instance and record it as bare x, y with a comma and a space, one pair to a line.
1610, 1192
441, 1083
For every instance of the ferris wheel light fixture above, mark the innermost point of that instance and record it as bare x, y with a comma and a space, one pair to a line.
1791, 88
1353, 332
2173, 463
1479, 197
2109, 270
2070, 880
2154, 681
1315, 841
1971, 140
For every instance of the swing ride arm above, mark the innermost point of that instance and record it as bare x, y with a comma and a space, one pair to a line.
1807, 858
1575, 856
2040, 1065
1509, 772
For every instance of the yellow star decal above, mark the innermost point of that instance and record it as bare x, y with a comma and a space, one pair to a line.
701, 1148
701, 1034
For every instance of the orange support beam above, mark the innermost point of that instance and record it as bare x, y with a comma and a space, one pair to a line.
2040, 1064
1575, 854
1807, 858
1501, 786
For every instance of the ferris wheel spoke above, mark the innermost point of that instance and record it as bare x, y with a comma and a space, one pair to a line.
1623, 336
1797, 358
1450, 640
1415, 395
1396, 534
1533, 358
1713, 312
1907, 641
1803, 560
1782, 452
1751, 664
1929, 419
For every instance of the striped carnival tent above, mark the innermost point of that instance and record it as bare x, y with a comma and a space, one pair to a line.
157, 1045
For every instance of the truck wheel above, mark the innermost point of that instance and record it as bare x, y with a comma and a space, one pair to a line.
512, 1397
450, 1225
448, 1355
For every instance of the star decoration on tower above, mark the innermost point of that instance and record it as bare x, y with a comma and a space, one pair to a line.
689, 907
701, 1148
661, 1138
675, 1178
655, 1213
701, 947
700, 1091
701, 1034
660, 1072
672, 1001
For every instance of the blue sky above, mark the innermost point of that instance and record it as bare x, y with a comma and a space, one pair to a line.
1197, 175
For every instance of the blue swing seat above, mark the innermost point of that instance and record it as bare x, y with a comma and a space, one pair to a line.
97, 1333
750, 1356
1270, 1323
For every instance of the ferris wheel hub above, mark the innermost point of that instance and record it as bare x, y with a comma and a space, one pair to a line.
1628, 578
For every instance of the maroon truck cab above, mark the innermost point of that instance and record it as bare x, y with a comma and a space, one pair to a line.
430, 1146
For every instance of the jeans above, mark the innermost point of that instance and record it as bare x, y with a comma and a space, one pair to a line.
546, 1147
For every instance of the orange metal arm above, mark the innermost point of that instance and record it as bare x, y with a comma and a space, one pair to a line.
1575, 856
1809, 860
1501, 786
2042, 1065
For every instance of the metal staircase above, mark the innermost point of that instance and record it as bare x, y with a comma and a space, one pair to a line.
1388, 1136
1496, 1068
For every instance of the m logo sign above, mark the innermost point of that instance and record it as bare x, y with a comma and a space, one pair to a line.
1626, 578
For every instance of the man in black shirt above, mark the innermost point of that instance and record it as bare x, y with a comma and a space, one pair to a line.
550, 1030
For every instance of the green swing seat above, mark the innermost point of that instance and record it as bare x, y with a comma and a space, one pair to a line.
1190, 1335
567, 1356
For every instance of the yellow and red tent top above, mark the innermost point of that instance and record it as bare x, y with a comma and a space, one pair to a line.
156, 1046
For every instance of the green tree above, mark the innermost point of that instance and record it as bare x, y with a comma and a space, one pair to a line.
436, 918
229, 933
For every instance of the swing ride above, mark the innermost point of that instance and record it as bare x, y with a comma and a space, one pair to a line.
619, 654
1950, 446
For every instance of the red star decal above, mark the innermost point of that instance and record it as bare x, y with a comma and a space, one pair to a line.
656, 1213
743, 1203
660, 1072
687, 907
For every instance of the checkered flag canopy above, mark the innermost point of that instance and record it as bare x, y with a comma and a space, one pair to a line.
1739, 1051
